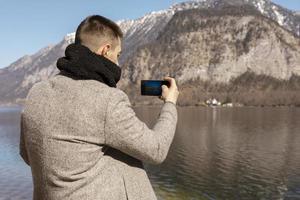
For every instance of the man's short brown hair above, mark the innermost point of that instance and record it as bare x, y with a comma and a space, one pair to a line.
94, 30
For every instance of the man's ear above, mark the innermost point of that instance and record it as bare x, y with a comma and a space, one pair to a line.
103, 50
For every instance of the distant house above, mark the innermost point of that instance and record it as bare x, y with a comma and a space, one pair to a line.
213, 102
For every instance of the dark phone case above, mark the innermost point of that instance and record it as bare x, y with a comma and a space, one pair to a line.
152, 87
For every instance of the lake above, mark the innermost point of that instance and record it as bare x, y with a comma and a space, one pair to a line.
217, 153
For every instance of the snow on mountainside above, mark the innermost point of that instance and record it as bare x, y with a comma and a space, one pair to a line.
145, 29
286, 18
283, 16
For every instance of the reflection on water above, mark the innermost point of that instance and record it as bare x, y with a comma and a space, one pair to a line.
231, 153
15, 176
217, 153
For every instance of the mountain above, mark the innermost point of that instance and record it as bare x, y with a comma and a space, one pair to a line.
202, 42
18, 78
231, 38
217, 46
145, 29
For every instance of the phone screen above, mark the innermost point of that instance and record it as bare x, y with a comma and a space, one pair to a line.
152, 87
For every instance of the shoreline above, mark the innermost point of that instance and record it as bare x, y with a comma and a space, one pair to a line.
159, 105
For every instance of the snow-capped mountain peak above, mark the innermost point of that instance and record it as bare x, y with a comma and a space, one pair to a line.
150, 24
70, 38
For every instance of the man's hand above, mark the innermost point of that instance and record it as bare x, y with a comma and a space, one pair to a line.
170, 93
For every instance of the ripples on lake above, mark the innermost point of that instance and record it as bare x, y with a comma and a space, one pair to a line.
231, 153
217, 153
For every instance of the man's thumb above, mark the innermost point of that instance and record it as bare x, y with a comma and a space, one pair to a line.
164, 87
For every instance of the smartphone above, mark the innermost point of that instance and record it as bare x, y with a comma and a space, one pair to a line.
153, 87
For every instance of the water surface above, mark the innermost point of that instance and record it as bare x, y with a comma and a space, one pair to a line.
217, 153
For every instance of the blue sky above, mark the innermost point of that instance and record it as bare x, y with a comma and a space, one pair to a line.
27, 26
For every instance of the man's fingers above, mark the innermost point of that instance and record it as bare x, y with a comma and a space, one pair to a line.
171, 80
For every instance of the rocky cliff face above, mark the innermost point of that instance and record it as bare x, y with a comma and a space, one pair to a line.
209, 42
217, 45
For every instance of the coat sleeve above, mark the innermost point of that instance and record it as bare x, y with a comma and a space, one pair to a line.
22, 147
126, 132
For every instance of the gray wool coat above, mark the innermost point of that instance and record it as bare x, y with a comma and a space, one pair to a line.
83, 140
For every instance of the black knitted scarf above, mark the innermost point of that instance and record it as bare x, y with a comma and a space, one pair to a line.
81, 63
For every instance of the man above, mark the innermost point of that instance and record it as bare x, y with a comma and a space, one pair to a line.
79, 133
